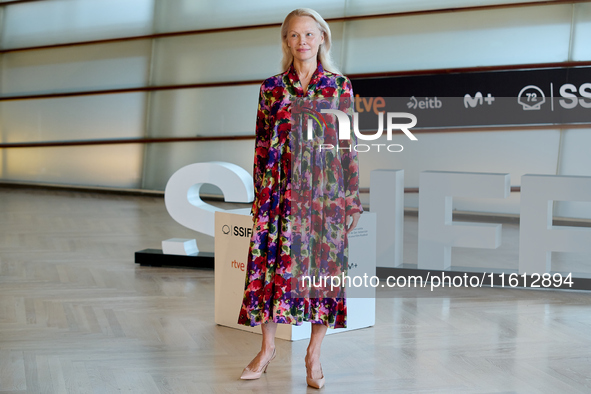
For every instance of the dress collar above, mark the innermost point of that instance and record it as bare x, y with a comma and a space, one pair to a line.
295, 80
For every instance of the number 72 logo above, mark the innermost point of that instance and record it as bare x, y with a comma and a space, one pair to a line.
531, 97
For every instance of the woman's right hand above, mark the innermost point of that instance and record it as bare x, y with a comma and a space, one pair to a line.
353, 218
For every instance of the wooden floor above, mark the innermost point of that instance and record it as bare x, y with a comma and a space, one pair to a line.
78, 316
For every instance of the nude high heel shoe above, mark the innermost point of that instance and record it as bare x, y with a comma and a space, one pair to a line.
316, 383
248, 374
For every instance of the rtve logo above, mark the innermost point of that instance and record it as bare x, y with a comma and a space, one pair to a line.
237, 231
238, 265
374, 104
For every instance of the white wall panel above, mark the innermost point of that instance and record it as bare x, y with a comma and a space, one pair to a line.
163, 160
177, 15
59, 21
369, 7
461, 39
513, 152
73, 118
204, 112
101, 165
575, 159
582, 32
90, 67
227, 56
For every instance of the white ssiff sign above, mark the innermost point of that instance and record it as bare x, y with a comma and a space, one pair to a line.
232, 230
377, 241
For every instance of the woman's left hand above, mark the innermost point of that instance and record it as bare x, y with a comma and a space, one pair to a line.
355, 218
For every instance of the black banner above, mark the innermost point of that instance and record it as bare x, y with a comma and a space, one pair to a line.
553, 96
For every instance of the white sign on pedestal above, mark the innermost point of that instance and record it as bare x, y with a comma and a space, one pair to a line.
232, 240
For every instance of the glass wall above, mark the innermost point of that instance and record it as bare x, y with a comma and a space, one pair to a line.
36, 59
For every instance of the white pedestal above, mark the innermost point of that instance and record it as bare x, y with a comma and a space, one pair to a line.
232, 240
180, 246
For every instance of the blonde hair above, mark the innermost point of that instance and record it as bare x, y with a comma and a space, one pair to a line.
324, 50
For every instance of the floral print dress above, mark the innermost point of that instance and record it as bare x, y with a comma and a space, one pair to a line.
299, 229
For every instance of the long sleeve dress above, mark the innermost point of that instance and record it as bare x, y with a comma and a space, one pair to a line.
299, 227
